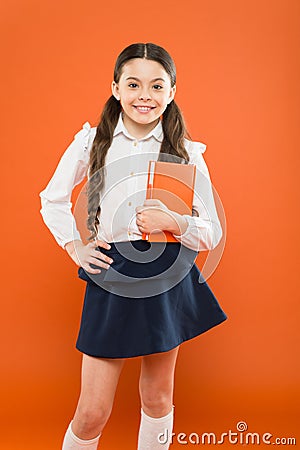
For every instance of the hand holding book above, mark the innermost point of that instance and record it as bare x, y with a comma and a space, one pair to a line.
172, 184
154, 216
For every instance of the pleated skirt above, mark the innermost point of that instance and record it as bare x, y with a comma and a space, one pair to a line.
151, 299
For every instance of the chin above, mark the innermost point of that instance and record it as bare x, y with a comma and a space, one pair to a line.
145, 118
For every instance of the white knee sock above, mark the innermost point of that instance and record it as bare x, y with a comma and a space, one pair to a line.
155, 433
72, 442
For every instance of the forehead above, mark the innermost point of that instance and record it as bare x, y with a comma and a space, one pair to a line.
144, 69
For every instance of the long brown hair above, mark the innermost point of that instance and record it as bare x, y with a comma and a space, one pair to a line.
174, 129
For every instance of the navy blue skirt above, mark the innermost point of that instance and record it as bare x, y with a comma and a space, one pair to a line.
150, 300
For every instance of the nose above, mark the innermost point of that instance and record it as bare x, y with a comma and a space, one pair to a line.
145, 95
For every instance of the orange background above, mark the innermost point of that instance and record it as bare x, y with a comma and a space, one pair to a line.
238, 87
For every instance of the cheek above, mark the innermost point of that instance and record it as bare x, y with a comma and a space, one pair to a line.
161, 98
128, 97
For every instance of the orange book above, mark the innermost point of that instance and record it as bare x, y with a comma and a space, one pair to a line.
173, 184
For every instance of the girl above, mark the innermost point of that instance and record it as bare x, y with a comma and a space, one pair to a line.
142, 299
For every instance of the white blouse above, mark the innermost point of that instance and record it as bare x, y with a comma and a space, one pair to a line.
125, 181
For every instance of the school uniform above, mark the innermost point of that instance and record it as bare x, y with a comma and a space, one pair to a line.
153, 297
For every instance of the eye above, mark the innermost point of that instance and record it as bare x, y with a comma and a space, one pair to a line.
157, 87
132, 84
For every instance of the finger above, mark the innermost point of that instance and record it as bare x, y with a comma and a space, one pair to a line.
98, 262
89, 269
141, 217
150, 207
139, 209
102, 244
97, 254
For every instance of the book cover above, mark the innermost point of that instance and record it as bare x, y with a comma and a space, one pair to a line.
173, 184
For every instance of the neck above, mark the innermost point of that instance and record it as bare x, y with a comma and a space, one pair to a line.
138, 130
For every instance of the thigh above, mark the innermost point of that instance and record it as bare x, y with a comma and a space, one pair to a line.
157, 372
99, 379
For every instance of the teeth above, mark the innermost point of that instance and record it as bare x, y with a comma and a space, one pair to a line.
143, 108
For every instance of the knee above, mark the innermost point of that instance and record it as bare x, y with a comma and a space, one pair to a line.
89, 422
156, 402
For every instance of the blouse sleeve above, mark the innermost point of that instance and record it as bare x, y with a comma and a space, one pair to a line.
203, 232
56, 197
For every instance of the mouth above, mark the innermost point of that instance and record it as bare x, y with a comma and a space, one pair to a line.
143, 109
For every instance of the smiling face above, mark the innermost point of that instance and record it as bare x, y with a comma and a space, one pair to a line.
144, 91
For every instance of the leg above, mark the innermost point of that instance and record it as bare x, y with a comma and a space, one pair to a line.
156, 391
157, 382
99, 379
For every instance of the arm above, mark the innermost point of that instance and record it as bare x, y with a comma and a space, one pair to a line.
203, 231
72, 249
177, 224
56, 197
56, 205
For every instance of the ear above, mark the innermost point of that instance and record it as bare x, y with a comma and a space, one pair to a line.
172, 93
115, 90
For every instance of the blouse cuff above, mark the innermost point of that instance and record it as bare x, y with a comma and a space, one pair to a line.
200, 234
188, 229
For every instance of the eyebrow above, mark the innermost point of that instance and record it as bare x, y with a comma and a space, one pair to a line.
154, 79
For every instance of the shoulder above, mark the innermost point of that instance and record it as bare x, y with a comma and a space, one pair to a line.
195, 150
79, 148
85, 136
